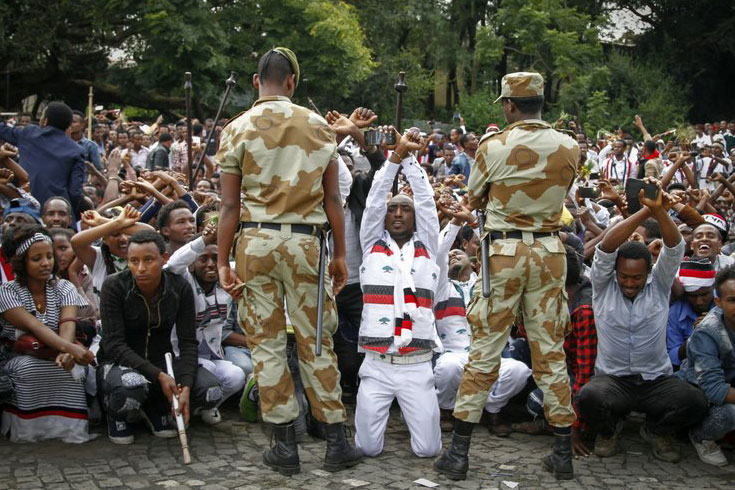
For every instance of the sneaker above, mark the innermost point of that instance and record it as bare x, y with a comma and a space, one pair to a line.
249, 400
664, 448
161, 426
606, 446
709, 452
211, 416
119, 432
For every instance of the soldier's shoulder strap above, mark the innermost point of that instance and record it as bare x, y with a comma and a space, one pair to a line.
568, 132
233, 118
487, 136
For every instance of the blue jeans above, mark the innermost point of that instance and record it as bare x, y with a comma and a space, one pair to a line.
719, 422
240, 357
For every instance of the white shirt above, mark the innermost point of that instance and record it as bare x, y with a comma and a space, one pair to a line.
703, 170
622, 169
700, 141
137, 158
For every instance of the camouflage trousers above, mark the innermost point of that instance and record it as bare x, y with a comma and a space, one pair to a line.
527, 278
275, 265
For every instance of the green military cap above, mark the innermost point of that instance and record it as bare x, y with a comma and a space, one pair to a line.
291, 57
521, 84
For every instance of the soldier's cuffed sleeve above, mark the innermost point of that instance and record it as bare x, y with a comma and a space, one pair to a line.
229, 156
479, 181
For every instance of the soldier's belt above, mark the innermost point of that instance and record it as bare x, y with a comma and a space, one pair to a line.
399, 359
517, 234
302, 229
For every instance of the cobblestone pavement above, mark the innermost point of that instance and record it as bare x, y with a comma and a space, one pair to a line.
229, 456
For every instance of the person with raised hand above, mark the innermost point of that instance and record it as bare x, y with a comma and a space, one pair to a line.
110, 257
399, 277
630, 300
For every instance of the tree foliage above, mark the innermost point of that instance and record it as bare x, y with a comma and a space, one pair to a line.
454, 53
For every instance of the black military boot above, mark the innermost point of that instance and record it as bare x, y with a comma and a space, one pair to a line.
454, 462
559, 461
340, 454
283, 456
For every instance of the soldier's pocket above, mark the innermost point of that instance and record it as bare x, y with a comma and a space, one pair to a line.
502, 260
254, 247
556, 263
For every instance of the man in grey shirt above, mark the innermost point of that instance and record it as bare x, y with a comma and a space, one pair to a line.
633, 372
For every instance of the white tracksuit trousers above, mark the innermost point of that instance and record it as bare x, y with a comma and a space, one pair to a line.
448, 375
413, 386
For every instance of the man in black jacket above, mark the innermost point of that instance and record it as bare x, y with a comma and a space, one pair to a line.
159, 158
139, 308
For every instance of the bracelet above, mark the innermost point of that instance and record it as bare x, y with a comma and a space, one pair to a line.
114, 177
70, 319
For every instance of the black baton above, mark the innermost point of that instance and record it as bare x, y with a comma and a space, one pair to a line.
485, 251
229, 83
320, 295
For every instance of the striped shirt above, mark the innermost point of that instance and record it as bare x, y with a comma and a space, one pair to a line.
59, 293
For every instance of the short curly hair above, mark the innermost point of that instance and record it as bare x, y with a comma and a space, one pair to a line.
12, 240
726, 274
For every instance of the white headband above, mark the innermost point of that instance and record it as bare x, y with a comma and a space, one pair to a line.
26, 244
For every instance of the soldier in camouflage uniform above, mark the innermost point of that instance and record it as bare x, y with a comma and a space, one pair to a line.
282, 158
521, 177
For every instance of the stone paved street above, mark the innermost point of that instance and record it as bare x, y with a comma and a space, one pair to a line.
228, 456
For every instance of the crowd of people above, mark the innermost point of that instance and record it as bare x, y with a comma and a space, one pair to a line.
112, 256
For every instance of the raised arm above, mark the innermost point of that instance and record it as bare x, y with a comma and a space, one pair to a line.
126, 222
620, 233
180, 260
639, 124
373, 218
427, 220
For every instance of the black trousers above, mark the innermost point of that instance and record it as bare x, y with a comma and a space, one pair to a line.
124, 390
349, 311
669, 403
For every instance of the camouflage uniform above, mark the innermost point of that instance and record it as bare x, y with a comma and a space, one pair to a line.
521, 177
282, 150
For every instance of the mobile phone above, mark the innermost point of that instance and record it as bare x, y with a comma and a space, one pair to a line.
375, 138
595, 176
589, 192
372, 138
633, 188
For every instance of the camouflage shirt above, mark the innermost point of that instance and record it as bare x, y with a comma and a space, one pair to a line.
522, 175
281, 150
